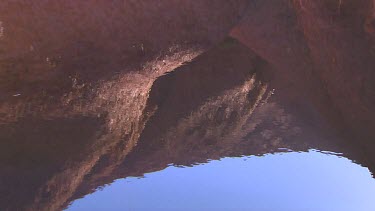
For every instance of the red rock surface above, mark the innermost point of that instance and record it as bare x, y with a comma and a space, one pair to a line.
42, 39
325, 46
90, 75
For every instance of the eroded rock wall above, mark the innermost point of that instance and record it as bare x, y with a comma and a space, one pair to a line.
324, 48
41, 40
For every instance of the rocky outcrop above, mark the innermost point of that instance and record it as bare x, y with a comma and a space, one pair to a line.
109, 114
218, 105
114, 114
43, 40
86, 96
325, 47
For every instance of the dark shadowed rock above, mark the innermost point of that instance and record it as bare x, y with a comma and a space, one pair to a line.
95, 91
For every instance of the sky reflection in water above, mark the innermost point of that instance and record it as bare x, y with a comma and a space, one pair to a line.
283, 181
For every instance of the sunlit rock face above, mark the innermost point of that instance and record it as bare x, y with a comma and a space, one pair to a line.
92, 92
316, 46
76, 66
93, 118
111, 114
41, 40
219, 104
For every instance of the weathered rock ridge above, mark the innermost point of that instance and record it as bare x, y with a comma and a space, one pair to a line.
324, 47
220, 104
92, 91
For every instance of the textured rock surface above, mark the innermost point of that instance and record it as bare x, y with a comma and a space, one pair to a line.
218, 105
85, 98
325, 47
41, 40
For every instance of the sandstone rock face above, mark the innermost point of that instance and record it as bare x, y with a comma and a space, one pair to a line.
41, 40
86, 93
324, 46
217, 105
